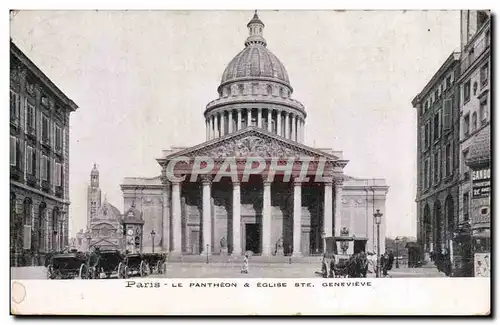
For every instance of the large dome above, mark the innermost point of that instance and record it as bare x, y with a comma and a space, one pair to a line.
255, 61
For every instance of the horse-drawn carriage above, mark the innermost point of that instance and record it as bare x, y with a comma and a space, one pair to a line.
68, 265
107, 262
156, 262
136, 264
342, 265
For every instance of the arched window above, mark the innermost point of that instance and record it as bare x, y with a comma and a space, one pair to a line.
269, 90
241, 89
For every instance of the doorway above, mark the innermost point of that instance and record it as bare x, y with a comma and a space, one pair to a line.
252, 237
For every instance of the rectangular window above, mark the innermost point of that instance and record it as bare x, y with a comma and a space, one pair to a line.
437, 125
466, 125
58, 135
14, 104
13, 151
422, 137
483, 110
427, 134
484, 75
467, 91
58, 174
44, 168
34, 160
448, 161
30, 116
447, 114
435, 163
448, 82
29, 160
45, 128
466, 206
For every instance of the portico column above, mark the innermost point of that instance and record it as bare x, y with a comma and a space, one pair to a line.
278, 120
338, 205
176, 218
249, 117
287, 125
236, 219
266, 219
294, 128
230, 121
327, 210
207, 126
239, 120
259, 117
222, 123
166, 217
297, 207
210, 127
207, 216
269, 120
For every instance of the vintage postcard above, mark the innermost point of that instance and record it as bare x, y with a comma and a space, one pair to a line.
237, 162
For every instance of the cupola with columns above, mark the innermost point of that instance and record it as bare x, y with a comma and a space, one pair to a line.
255, 91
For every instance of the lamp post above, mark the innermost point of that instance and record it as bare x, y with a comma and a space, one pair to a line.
378, 220
207, 252
153, 239
397, 252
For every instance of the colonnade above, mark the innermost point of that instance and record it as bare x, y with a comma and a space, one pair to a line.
283, 123
267, 245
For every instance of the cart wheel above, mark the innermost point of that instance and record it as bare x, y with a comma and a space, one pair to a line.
324, 270
164, 268
158, 268
121, 271
142, 269
83, 272
50, 272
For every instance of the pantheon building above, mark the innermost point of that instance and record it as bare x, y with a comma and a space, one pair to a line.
255, 115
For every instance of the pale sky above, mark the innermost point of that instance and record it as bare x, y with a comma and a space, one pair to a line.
142, 80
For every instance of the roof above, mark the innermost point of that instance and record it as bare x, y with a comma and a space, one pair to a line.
480, 149
41, 76
256, 61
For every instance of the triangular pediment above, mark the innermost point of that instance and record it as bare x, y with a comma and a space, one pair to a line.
251, 142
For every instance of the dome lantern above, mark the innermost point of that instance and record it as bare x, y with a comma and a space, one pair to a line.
255, 29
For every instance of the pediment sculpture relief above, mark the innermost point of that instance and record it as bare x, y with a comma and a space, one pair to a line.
252, 146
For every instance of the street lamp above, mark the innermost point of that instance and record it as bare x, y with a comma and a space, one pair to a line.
397, 252
153, 239
378, 220
207, 252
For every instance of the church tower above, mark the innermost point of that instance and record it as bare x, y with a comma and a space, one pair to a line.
93, 195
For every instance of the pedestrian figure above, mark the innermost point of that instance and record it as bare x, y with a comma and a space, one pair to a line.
245, 264
384, 261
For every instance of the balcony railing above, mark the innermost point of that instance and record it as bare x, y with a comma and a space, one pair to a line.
46, 141
31, 180
59, 192
46, 186
16, 172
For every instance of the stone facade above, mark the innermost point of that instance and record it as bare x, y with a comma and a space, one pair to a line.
270, 212
39, 162
437, 158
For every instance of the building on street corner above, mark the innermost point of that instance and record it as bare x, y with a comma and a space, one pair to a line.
39, 162
474, 84
437, 158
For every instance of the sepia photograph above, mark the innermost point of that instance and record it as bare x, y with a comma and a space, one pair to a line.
249, 148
